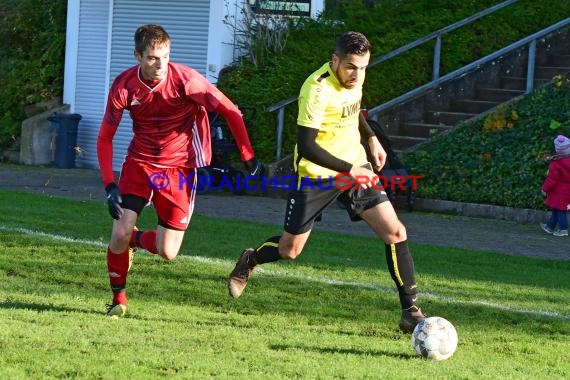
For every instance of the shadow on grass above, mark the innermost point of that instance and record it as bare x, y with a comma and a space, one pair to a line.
338, 350
40, 307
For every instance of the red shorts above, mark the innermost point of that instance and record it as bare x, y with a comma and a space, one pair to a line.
171, 190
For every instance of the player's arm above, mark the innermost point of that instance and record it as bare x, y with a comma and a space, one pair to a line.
105, 152
364, 128
376, 150
105, 156
214, 100
234, 119
308, 148
109, 125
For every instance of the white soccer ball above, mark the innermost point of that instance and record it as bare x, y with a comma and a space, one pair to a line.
435, 338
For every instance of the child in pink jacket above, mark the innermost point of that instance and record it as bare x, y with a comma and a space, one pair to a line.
556, 187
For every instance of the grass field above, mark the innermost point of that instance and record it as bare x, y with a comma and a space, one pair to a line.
331, 314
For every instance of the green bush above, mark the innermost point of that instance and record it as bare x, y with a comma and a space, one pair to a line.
499, 159
32, 36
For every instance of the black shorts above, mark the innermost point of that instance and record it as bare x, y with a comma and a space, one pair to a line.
312, 197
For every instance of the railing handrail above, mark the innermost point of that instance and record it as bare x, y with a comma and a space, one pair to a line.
281, 104
471, 66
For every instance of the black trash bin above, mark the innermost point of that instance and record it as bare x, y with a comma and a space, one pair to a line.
64, 129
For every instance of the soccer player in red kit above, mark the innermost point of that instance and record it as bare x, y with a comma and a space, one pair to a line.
168, 104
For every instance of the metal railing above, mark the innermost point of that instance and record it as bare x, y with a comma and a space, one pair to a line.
437, 35
530, 41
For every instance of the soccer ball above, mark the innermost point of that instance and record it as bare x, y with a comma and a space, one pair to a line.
434, 338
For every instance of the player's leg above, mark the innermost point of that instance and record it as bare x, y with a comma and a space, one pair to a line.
138, 238
383, 220
174, 206
135, 193
286, 246
119, 259
168, 242
146, 240
303, 206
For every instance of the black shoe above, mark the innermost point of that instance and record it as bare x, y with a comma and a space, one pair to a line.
116, 310
241, 273
410, 318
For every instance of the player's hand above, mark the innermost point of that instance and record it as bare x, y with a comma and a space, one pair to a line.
114, 201
254, 167
378, 153
363, 176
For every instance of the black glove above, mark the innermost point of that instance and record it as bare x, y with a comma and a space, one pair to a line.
114, 200
254, 167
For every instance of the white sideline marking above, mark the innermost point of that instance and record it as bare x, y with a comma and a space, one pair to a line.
320, 280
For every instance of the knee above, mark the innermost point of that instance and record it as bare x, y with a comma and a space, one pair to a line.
121, 236
397, 234
289, 252
168, 254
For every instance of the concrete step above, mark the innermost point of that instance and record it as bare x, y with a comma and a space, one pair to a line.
519, 83
559, 60
549, 72
471, 105
424, 130
401, 143
496, 94
447, 117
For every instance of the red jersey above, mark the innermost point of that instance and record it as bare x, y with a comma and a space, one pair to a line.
170, 122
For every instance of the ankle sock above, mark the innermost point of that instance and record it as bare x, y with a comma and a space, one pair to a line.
120, 297
147, 240
144, 239
268, 251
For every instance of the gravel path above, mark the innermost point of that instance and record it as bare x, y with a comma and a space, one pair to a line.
441, 230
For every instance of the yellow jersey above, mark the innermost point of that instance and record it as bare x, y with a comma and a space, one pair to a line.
326, 105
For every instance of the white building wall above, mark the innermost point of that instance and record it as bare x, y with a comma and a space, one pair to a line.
85, 81
99, 45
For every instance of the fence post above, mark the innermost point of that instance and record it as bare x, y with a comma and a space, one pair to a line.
530, 66
436, 57
280, 122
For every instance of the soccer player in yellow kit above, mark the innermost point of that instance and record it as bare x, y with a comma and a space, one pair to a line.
330, 129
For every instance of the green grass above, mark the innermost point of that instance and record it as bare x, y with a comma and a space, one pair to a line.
332, 313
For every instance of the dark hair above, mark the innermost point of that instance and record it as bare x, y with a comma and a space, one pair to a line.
149, 36
352, 43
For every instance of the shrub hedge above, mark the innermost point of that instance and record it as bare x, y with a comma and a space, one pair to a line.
500, 159
32, 37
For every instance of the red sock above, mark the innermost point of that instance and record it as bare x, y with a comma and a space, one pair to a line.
133, 241
147, 240
120, 297
118, 269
